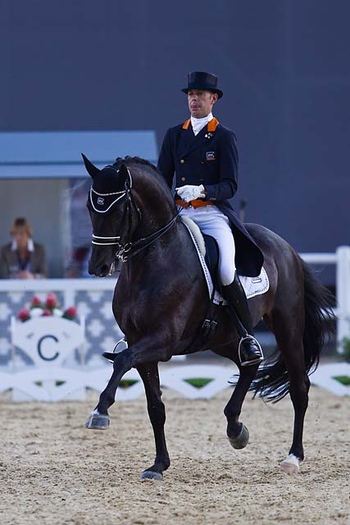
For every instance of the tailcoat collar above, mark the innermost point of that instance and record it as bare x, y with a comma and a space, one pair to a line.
211, 126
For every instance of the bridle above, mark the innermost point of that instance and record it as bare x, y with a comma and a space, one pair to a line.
126, 249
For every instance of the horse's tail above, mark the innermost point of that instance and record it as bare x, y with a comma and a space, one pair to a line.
272, 381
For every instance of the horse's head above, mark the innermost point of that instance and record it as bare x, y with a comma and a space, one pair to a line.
130, 207
107, 203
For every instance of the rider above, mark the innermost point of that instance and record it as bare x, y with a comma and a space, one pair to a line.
204, 156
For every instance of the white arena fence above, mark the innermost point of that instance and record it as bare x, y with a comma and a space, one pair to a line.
341, 260
66, 374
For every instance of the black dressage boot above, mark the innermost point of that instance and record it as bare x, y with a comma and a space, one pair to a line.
249, 350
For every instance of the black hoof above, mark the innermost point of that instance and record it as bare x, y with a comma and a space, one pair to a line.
97, 421
241, 440
149, 474
110, 356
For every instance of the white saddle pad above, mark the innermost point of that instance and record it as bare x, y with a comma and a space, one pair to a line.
252, 285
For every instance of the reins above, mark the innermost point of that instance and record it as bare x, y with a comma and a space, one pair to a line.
133, 248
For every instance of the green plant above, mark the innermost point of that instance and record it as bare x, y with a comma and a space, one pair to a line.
344, 380
126, 383
198, 382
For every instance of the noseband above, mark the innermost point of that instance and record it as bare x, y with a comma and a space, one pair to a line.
125, 250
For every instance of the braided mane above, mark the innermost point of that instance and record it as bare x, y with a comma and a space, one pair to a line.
150, 170
134, 160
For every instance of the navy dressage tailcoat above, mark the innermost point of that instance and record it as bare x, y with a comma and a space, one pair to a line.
211, 158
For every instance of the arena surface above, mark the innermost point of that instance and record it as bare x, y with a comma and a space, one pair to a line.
55, 472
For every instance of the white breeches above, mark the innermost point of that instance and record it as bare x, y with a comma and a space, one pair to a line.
213, 222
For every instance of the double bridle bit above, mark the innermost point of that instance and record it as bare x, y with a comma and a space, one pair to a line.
122, 250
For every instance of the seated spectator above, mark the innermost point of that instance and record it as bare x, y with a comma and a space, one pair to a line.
22, 258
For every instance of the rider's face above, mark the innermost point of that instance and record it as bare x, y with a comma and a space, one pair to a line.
200, 103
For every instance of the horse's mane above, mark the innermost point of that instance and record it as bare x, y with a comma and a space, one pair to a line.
130, 161
134, 160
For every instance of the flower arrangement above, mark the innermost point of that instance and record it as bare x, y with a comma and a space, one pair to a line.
49, 307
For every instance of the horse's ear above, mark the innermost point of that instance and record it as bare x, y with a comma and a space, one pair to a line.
90, 168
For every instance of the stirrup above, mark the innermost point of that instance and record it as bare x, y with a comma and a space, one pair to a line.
110, 356
255, 360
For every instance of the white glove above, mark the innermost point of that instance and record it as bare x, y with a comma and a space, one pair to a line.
190, 193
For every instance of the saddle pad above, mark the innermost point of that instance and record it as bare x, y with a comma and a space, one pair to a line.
255, 285
252, 285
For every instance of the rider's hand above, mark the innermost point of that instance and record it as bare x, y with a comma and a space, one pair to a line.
190, 193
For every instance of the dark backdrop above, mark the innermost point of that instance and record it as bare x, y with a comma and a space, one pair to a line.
121, 64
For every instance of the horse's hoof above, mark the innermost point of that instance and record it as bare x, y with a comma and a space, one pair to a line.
290, 465
97, 421
110, 356
241, 440
150, 475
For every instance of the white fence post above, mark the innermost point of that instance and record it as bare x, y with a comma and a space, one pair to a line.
343, 294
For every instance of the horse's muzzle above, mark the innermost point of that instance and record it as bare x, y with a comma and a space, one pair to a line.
100, 271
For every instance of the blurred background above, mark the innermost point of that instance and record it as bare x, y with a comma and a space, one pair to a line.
72, 70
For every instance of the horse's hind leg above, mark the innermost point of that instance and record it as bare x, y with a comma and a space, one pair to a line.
299, 385
292, 348
237, 433
156, 411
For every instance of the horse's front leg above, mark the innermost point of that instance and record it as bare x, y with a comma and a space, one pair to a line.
237, 432
99, 418
156, 411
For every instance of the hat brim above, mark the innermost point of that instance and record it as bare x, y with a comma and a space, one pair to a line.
218, 91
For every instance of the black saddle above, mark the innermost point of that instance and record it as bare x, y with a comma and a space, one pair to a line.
212, 259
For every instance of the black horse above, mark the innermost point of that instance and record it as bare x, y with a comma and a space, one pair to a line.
161, 300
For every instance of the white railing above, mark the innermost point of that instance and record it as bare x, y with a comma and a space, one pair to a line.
341, 260
71, 287
68, 287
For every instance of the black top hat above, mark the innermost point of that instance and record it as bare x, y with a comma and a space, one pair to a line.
204, 81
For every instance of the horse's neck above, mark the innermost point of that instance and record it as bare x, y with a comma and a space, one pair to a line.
155, 204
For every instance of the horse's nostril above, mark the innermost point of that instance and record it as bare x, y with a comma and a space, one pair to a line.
99, 270
102, 271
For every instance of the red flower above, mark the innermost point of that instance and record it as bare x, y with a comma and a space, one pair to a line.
70, 313
45, 309
51, 301
23, 314
35, 303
